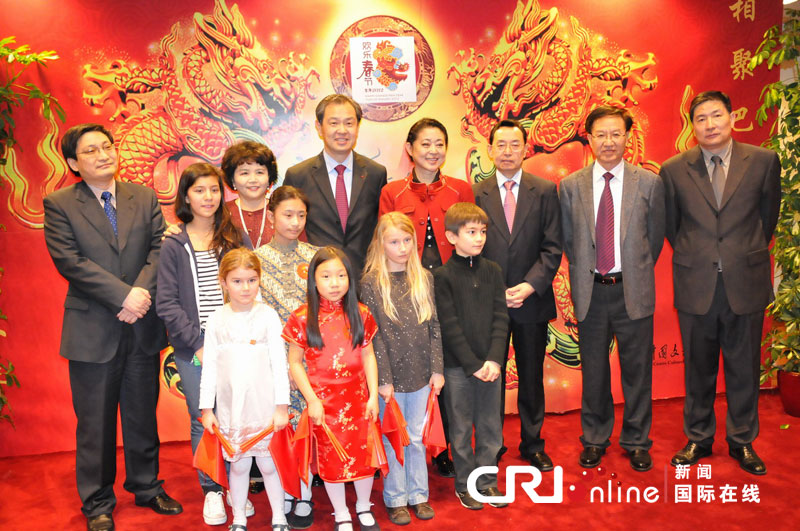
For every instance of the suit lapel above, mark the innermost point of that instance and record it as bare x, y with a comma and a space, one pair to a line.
320, 175
524, 205
699, 174
735, 173
494, 207
95, 214
586, 195
125, 213
357, 183
630, 187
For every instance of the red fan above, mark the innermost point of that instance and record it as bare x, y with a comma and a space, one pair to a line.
394, 428
433, 432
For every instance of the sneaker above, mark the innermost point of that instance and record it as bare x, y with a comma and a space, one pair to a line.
214, 509
468, 501
399, 515
249, 510
423, 510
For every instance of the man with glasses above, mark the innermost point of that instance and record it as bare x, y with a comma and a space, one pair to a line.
524, 237
612, 214
104, 237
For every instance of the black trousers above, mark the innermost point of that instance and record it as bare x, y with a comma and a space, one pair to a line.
530, 343
739, 337
128, 381
606, 318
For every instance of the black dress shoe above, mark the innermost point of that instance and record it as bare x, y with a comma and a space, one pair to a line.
690, 454
493, 492
748, 459
590, 456
541, 461
101, 522
444, 466
640, 460
162, 504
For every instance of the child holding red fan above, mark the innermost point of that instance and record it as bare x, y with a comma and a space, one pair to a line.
333, 332
245, 374
408, 348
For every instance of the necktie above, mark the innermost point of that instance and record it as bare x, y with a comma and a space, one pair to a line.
341, 195
718, 178
510, 204
111, 212
604, 229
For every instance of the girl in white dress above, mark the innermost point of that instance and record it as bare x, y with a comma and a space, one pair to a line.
244, 370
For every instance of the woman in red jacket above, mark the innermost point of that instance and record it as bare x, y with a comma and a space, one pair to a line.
426, 194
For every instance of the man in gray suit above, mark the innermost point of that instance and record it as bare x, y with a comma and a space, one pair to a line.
344, 188
723, 199
613, 224
104, 237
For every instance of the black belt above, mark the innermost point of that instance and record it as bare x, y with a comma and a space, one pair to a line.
612, 278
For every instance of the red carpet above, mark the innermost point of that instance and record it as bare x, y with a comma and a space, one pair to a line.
38, 492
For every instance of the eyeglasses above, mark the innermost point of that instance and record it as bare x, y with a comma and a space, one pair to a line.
94, 151
602, 136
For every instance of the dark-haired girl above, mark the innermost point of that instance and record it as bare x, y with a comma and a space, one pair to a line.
189, 292
333, 333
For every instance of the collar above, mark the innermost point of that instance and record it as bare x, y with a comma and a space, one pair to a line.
329, 306
291, 246
465, 261
417, 181
598, 171
724, 154
112, 187
423, 189
331, 164
501, 179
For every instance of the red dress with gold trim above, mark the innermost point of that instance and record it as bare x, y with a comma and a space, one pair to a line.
336, 373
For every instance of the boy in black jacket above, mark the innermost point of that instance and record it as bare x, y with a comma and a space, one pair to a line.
471, 303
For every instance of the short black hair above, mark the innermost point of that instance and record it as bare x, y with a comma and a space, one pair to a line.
69, 142
709, 95
511, 124
459, 214
337, 99
425, 123
248, 151
602, 111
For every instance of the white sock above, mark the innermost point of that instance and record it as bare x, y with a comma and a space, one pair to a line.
304, 509
239, 483
363, 490
336, 495
272, 484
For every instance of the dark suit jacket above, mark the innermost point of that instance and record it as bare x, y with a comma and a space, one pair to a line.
102, 268
641, 237
738, 231
323, 226
531, 251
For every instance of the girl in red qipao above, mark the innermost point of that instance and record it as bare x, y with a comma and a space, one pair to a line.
333, 332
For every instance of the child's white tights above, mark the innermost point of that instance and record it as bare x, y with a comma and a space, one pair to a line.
239, 480
336, 494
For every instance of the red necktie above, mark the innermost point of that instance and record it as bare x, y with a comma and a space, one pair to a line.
510, 204
604, 229
341, 195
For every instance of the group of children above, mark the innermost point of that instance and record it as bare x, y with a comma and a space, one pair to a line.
229, 304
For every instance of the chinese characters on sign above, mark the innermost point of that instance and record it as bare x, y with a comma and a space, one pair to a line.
749, 493
743, 8
382, 69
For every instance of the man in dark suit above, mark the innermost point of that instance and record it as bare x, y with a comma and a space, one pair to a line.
612, 214
524, 237
722, 203
344, 187
104, 237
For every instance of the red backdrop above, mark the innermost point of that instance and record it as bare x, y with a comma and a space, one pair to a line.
548, 66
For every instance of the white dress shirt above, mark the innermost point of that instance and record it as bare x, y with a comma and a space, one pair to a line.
331, 164
501, 183
598, 184
99, 191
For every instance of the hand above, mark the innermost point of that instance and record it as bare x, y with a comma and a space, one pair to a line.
372, 408
386, 392
316, 412
171, 230
281, 417
127, 317
209, 419
516, 295
137, 302
436, 382
199, 354
492, 369
480, 374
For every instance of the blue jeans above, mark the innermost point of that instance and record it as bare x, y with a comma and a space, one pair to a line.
408, 485
190, 382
